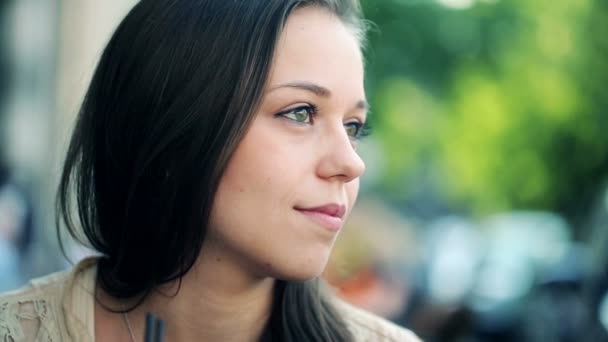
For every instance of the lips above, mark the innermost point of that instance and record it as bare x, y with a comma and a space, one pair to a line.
329, 215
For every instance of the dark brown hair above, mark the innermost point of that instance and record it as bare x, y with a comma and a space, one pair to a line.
172, 96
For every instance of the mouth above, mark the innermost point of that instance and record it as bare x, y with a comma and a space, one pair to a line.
329, 216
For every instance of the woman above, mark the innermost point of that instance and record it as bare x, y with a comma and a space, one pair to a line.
213, 163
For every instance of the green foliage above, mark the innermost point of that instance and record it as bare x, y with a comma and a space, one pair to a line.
503, 100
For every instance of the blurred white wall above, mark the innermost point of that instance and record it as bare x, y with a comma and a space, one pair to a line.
84, 29
54, 46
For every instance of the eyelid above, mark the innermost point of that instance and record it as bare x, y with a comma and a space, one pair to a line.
298, 106
355, 120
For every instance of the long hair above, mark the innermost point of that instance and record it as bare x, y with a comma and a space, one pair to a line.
173, 94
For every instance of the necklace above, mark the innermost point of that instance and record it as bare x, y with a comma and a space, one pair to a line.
126, 318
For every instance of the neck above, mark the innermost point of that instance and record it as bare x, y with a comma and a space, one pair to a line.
216, 301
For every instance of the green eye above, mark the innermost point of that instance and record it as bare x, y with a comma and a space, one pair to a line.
357, 130
302, 114
352, 129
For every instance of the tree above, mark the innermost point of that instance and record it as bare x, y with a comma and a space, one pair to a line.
496, 107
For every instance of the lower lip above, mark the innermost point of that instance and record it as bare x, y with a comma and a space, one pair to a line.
332, 223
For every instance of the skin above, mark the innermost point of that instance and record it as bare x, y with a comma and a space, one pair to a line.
284, 162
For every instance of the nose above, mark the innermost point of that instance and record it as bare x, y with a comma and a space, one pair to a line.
339, 160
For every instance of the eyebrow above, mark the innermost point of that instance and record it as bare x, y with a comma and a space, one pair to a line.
317, 90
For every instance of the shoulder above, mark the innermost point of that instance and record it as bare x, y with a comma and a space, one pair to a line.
37, 311
366, 326
26, 311
43, 286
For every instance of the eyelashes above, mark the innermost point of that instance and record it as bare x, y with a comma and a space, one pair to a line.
301, 114
305, 114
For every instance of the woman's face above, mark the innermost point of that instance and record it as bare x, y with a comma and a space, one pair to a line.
294, 177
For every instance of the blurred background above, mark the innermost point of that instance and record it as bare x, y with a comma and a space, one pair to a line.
483, 214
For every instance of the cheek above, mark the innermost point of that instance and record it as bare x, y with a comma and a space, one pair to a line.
255, 191
250, 169
266, 168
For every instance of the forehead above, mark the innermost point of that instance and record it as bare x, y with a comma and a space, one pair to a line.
316, 46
